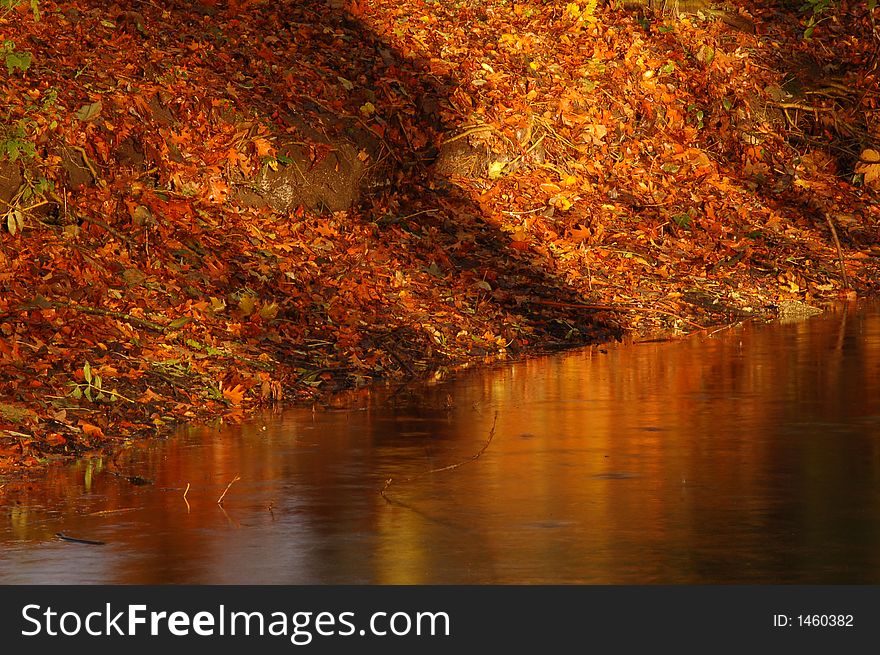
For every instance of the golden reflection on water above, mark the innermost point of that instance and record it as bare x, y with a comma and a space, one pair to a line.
750, 456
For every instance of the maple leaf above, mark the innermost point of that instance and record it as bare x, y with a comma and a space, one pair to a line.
218, 190
264, 147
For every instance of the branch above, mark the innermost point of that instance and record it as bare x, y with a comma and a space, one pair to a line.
451, 467
141, 322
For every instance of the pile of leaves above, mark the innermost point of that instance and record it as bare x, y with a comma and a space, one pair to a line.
208, 207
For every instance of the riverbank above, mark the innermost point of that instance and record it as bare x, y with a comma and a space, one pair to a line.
208, 209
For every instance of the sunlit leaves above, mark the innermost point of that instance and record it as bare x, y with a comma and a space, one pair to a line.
496, 169
614, 166
869, 167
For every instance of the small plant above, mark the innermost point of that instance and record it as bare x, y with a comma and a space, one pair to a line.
697, 115
17, 138
14, 143
93, 388
816, 9
683, 220
15, 59
8, 5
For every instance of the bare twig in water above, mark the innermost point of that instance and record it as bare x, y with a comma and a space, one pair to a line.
839, 250
450, 467
223, 495
105, 512
75, 540
731, 325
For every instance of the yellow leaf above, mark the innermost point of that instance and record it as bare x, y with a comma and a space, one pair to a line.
247, 304
217, 305
561, 202
269, 310
495, 169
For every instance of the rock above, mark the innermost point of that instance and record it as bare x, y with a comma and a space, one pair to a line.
794, 310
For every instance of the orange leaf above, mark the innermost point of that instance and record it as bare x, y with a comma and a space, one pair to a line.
149, 396
234, 395
263, 146
56, 439
91, 430
580, 234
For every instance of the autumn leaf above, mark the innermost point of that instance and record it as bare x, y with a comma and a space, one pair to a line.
269, 310
496, 168
91, 430
56, 439
234, 395
264, 147
869, 166
247, 304
149, 396
89, 112
580, 234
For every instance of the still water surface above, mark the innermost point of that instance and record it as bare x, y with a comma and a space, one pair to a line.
751, 456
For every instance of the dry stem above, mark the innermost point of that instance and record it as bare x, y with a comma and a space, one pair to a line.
450, 467
220, 499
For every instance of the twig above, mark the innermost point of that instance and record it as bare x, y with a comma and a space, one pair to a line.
839, 250
106, 512
88, 163
523, 213
469, 130
141, 322
615, 308
111, 230
88, 542
798, 105
234, 480
450, 467
730, 325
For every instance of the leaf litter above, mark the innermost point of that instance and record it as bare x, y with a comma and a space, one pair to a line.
213, 206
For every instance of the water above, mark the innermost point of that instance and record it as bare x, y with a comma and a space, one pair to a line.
749, 456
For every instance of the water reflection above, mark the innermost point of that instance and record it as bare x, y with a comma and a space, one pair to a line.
751, 456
